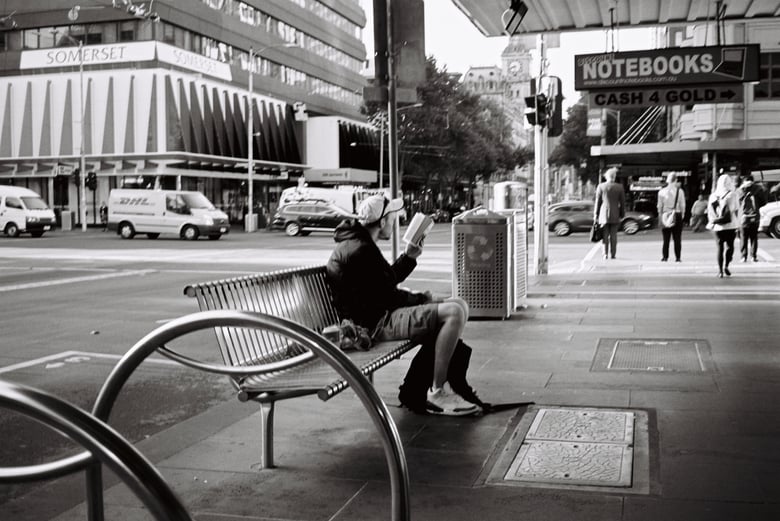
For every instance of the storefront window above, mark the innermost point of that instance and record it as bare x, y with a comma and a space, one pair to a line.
769, 77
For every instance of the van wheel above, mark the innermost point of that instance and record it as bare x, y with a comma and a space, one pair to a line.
126, 231
12, 230
215, 237
152, 235
36, 234
292, 228
190, 233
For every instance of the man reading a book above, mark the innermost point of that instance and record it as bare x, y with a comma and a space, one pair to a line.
365, 287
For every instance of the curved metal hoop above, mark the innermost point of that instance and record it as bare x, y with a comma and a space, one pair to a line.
102, 441
321, 347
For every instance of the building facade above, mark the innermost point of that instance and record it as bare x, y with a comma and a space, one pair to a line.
157, 94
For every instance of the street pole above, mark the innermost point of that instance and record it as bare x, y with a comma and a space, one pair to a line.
392, 116
83, 160
382, 123
540, 177
249, 220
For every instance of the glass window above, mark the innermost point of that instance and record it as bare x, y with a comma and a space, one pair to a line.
13, 202
127, 31
768, 86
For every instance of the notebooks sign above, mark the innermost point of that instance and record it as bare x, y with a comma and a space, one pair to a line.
667, 67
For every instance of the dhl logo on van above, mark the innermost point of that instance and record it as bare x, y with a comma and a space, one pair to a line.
135, 201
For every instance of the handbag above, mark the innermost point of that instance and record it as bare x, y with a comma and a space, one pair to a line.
596, 233
670, 218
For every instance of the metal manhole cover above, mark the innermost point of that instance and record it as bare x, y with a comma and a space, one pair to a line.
653, 354
579, 425
599, 464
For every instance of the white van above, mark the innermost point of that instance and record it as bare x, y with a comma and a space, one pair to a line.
186, 214
23, 211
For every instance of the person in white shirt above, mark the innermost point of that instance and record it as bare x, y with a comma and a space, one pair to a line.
723, 216
671, 200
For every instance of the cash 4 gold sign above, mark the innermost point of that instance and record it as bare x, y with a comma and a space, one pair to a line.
725, 64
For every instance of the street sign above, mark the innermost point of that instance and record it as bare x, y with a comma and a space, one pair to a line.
691, 95
667, 67
594, 123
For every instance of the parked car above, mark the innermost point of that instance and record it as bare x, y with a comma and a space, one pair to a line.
577, 216
304, 217
770, 219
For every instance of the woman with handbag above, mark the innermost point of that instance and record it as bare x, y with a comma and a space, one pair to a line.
722, 214
671, 208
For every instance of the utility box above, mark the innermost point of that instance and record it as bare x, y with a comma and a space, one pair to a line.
66, 220
481, 262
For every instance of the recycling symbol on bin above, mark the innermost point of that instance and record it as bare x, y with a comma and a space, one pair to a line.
478, 249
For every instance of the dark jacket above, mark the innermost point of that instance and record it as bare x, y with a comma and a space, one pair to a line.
610, 203
364, 284
756, 190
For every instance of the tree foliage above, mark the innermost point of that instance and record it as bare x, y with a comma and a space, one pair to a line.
454, 138
574, 145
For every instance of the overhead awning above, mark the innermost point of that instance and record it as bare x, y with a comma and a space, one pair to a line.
545, 16
684, 154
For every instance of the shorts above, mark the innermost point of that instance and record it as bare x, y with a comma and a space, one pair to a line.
413, 322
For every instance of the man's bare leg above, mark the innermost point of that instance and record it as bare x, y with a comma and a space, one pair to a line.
452, 316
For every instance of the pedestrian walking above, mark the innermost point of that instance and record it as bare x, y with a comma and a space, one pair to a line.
103, 215
671, 208
751, 198
609, 210
723, 215
699, 213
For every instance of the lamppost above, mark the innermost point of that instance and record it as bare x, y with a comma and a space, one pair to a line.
249, 221
82, 157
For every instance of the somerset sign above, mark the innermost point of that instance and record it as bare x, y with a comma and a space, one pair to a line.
667, 67
690, 95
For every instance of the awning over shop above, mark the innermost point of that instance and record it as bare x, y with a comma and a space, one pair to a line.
685, 154
576, 15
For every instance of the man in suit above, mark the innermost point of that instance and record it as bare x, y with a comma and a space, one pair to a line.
609, 210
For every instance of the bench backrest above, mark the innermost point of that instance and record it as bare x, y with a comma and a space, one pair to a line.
300, 294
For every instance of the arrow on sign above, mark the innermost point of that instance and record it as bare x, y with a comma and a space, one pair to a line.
728, 94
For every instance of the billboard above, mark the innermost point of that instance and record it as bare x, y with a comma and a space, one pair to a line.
667, 67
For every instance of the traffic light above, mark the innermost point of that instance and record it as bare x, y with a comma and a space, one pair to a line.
91, 181
76, 177
556, 109
536, 109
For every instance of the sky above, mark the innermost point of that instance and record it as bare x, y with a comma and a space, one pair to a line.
457, 44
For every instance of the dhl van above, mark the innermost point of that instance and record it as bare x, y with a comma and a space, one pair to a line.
152, 212
23, 211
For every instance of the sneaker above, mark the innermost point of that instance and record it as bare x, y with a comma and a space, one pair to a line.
447, 402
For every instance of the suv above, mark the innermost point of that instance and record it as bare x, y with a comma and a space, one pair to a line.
577, 216
770, 219
303, 217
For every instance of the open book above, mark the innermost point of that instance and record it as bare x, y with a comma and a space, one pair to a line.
418, 228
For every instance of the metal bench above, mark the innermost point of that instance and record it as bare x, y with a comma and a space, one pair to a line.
281, 368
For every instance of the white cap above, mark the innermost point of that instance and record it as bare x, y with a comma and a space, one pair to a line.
373, 208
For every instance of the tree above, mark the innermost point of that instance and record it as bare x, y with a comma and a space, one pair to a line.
454, 138
574, 145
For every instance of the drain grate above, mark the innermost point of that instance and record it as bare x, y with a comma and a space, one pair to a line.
653, 354
576, 447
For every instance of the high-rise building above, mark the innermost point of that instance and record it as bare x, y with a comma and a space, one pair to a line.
156, 93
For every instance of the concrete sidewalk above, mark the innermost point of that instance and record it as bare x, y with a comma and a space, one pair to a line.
711, 436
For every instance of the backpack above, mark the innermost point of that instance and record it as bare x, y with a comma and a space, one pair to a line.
721, 211
413, 393
749, 210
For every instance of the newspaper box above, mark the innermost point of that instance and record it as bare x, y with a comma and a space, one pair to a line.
481, 263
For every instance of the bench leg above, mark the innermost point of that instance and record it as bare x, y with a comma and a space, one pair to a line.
267, 433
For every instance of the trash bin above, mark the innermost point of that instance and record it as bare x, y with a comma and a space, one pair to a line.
481, 262
66, 217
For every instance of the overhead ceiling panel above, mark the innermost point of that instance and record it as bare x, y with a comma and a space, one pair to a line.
578, 15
